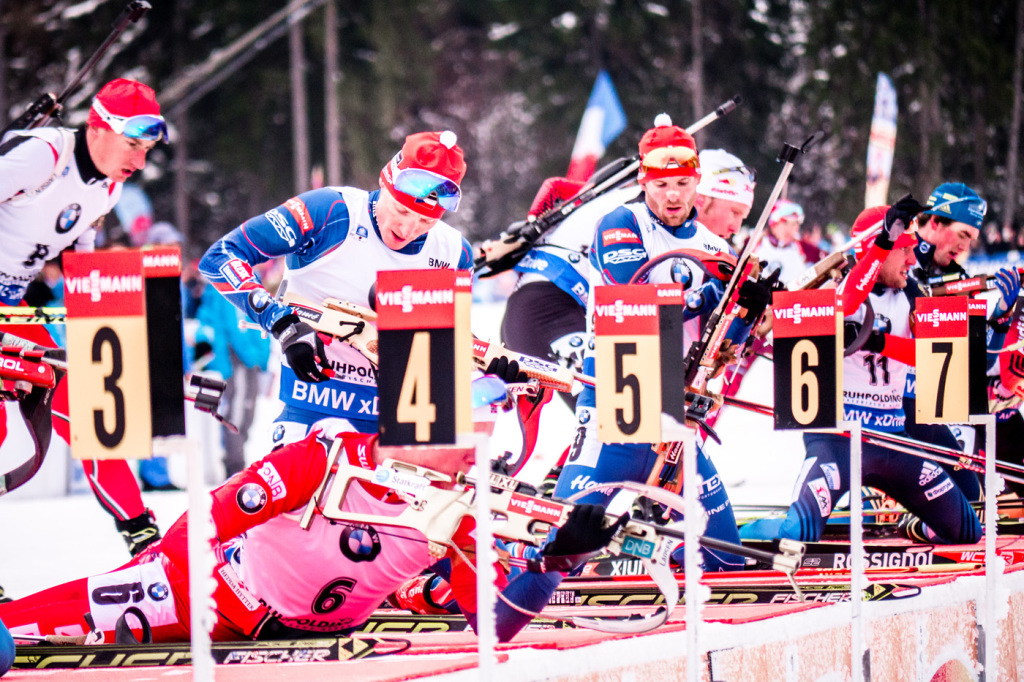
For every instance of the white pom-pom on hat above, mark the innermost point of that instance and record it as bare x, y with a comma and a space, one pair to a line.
448, 139
662, 121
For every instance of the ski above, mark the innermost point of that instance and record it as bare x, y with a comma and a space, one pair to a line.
39, 656
637, 594
396, 621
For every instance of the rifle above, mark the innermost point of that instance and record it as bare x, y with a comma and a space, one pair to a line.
700, 361
520, 237
437, 511
48, 106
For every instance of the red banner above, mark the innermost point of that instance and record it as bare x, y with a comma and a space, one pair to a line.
161, 261
941, 317
104, 284
416, 299
804, 313
625, 310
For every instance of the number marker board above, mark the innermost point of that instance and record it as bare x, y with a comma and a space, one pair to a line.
940, 328
108, 362
638, 360
416, 328
808, 384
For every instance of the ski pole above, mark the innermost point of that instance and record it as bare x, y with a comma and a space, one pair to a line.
48, 106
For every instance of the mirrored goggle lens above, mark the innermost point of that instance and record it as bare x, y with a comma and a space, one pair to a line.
145, 128
671, 157
429, 187
487, 390
746, 170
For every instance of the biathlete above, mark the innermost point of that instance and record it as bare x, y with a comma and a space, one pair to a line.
275, 580
950, 222
335, 240
56, 184
545, 315
873, 382
661, 219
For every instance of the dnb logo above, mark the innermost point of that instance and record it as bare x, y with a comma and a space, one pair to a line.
359, 542
251, 498
68, 218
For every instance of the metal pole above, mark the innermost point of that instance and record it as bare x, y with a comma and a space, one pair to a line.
693, 526
992, 569
857, 577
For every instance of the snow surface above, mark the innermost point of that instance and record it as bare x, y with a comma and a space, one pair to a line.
48, 537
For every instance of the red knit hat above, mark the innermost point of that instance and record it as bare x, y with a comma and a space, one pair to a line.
434, 152
125, 98
872, 218
667, 151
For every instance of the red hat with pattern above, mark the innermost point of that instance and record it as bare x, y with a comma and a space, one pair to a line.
425, 175
667, 151
124, 98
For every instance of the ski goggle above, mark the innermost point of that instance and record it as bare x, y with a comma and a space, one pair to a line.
427, 186
664, 158
488, 390
142, 127
749, 172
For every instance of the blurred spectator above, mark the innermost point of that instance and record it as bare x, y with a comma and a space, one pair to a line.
991, 240
239, 356
163, 233
47, 291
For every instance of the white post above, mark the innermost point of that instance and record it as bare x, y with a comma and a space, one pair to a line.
693, 528
200, 559
857, 578
992, 571
486, 593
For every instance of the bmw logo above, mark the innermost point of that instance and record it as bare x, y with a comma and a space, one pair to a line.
251, 498
158, 591
359, 543
278, 433
584, 416
68, 218
574, 258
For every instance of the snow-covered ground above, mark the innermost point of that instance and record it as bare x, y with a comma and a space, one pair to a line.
48, 537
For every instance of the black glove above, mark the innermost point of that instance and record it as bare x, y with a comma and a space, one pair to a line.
303, 347
896, 221
754, 297
506, 371
583, 532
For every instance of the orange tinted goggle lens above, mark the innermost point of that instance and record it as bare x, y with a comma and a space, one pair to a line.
671, 157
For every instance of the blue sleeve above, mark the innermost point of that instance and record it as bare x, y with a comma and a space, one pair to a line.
303, 229
466, 257
6, 650
618, 250
994, 343
529, 591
